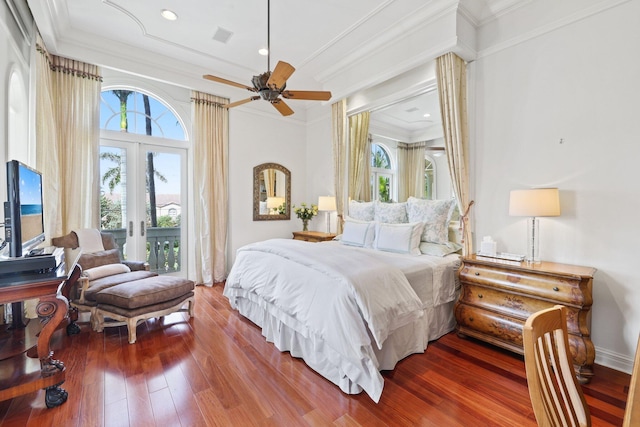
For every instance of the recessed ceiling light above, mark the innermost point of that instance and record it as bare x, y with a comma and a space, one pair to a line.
263, 51
426, 115
169, 15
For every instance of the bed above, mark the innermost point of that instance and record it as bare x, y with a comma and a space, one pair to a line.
347, 311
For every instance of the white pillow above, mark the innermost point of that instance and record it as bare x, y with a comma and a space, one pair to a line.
400, 238
358, 233
105, 270
362, 211
391, 213
435, 214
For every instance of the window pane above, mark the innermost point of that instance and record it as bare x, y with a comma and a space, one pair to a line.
379, 157
135, 112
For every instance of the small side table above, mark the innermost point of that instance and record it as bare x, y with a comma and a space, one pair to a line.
313, 236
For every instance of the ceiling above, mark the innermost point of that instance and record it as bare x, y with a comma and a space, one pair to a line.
311, 35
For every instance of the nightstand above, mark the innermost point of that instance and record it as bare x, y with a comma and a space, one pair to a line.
497, 297
313, 236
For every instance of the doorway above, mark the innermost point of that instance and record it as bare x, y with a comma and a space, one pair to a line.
143, 201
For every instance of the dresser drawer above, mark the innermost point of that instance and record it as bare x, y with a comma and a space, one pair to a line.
516, 306
490, 324
565, 290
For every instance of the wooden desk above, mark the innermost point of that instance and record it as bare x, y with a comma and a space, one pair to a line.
632, 411
18, 349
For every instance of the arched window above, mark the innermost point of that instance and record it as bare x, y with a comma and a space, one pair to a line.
382, 174
136, 112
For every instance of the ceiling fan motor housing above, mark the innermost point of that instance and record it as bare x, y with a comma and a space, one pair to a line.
267, 93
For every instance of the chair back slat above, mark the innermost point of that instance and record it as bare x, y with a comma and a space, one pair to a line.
556, 396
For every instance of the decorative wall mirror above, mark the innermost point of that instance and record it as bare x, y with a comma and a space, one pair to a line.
271, 192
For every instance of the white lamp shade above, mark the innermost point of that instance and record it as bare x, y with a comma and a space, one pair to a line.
534, 202
274, 202
326, 203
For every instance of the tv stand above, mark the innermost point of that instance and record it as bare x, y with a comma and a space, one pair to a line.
18, 347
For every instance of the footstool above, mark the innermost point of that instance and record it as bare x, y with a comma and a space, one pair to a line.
133, 302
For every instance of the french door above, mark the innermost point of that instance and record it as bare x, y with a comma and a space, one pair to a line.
143, 201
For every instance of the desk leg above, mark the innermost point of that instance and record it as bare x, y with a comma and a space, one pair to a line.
51, 311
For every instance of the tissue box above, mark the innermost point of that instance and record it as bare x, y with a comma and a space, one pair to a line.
488, 248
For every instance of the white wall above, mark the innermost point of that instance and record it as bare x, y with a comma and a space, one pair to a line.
559, 107
256, 138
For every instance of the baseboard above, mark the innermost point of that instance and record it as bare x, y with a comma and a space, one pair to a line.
614, 360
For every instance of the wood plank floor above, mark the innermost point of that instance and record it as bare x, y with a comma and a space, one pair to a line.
217, 369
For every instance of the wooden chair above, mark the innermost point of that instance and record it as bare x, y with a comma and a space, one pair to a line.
555, 393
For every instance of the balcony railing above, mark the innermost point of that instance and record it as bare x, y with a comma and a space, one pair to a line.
163, 247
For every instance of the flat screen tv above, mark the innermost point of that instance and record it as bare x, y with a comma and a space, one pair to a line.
24, 222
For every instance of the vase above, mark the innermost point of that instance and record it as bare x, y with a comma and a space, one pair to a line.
305, 225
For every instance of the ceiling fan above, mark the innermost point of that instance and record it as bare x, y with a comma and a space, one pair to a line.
271, 85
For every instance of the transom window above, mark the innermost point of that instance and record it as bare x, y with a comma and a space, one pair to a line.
139, 113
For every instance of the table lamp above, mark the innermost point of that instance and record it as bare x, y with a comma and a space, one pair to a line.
534, 203
328, 205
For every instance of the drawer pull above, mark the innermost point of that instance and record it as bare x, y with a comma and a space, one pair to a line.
477, 273
479, 295
470, 319
555, 288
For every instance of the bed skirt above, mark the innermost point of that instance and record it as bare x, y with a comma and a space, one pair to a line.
351, 376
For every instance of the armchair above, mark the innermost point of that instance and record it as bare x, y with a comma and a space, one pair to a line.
101, 270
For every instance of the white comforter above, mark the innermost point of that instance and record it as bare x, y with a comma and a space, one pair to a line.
333, 296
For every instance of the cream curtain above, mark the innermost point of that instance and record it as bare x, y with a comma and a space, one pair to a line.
270, 182
452, 88
359, 157
410, 170
211, 145
67, 140
339, 143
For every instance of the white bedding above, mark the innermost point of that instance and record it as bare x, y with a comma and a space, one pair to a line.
348, 312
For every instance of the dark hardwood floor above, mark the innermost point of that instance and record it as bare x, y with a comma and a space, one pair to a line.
217, 369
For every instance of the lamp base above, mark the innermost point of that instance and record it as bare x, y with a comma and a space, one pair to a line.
328, 214
533, 240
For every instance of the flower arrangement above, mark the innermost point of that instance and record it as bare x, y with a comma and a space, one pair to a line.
305, 213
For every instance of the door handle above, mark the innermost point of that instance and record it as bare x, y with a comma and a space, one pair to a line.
130, 228
142, 228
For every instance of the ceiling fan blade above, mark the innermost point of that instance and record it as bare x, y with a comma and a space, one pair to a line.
244, 101
311, 95
280, 75
282, 107
227, 82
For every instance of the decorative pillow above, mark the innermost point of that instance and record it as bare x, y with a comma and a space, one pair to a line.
105, 270
391, 213
440, 250
435, 214
95, 259
358, 233
400, 238
362, 211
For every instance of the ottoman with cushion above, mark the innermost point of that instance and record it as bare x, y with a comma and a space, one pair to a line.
132, 302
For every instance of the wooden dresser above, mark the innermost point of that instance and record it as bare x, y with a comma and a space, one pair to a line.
313, 236
498, 296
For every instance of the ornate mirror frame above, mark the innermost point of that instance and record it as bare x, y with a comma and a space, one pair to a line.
257, 173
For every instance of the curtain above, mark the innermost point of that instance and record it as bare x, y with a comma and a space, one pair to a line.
211, 162
339, 144
359, 157
67, 141
452, 90
410, 170
270, 182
